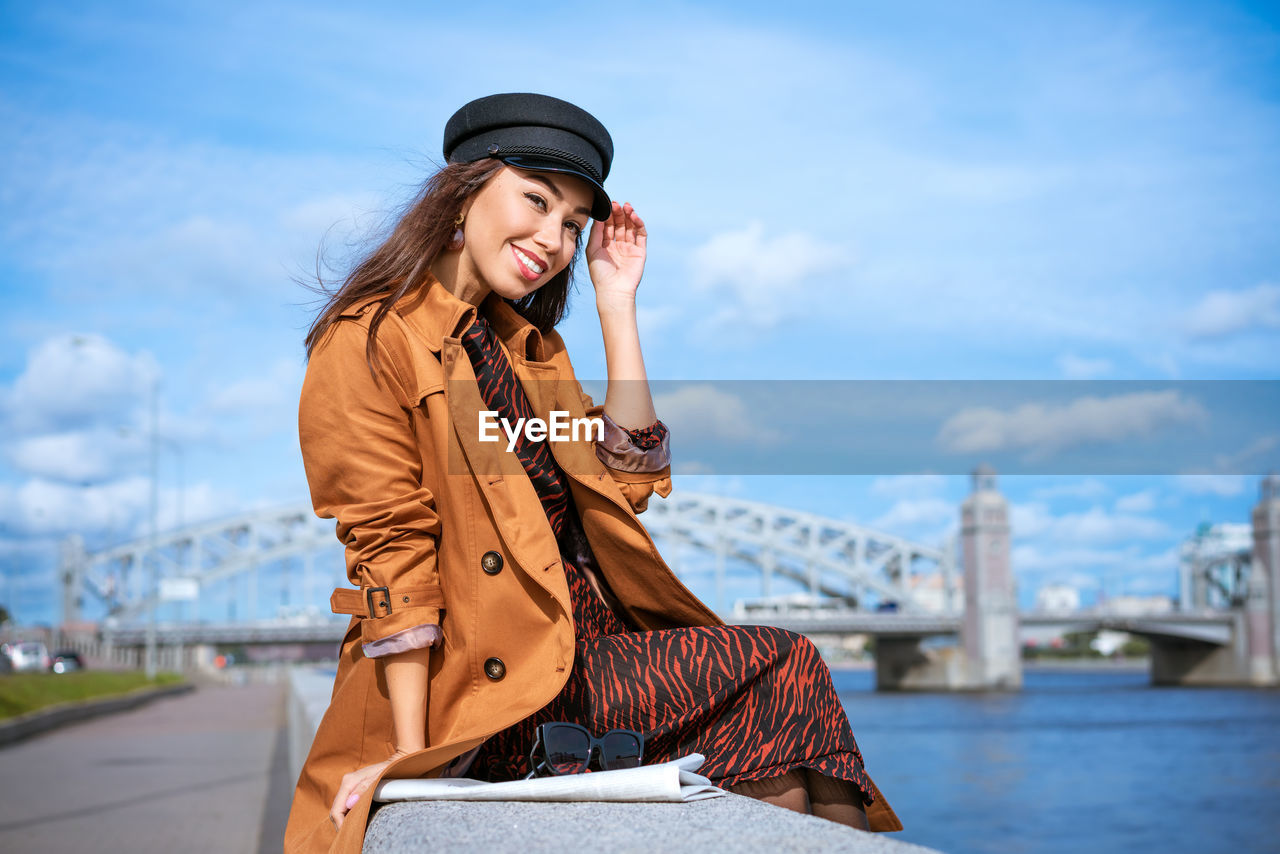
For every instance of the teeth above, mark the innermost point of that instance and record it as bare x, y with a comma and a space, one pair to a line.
529, 262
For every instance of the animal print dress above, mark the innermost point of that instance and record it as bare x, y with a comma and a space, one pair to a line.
756, 701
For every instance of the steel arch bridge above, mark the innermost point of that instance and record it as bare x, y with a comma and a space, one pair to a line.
1214, 566
832, 563
253, 550
792, 561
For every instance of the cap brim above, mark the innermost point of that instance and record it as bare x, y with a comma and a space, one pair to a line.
601, 206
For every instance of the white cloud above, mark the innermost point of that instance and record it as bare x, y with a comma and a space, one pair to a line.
1222, 313
1223, 485
1251, 457
117, 215
927, 519
73, 380
1043, 429
344, 213
1137, 502
909, 486
731, 486
78, 456
76, 418
1125, 560
691, 467
1078, 580
711, 414
278, 386
761, 277
197, 503
651, 319
1075, 367
1089, 488
45, 507
1033, 521
114, 512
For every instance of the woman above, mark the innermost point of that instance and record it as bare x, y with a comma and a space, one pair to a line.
502, 588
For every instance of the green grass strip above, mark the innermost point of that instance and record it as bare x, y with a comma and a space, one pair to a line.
25, 692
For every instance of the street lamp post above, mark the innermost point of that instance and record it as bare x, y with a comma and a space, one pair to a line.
152, 582
153, 575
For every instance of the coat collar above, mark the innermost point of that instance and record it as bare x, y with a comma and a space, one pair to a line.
436, 314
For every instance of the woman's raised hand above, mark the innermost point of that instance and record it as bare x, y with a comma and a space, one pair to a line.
615, 256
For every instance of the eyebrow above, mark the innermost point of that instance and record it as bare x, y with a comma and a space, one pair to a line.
559, 195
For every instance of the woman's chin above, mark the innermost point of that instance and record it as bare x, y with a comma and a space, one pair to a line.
517, 290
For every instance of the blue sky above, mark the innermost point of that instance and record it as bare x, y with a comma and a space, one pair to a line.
916, 191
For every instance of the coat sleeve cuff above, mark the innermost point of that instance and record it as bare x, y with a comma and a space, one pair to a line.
373, 629
643, 450
415, 637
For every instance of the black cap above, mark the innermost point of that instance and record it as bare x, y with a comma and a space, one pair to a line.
534, 132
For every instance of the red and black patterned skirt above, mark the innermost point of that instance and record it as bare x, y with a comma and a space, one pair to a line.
756, 701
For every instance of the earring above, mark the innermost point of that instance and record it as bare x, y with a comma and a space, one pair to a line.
456, 241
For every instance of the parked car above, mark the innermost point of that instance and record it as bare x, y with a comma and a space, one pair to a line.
30, 656
67, 660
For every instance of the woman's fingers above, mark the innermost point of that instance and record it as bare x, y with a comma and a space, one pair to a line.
628, 226
596, 236
353, 786
623, 226
340, 808
612, 223
636, 234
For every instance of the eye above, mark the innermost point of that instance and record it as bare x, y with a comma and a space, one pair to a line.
538, 202
575, 228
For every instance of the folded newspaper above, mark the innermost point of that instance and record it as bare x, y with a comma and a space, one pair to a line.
670, 782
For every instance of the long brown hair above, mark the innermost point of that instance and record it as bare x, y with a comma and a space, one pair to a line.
401, 263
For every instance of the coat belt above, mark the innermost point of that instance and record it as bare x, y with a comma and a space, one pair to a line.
373, 602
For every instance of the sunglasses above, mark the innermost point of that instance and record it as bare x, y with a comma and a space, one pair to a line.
565, 748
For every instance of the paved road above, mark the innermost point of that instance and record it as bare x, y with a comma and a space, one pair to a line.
203, 771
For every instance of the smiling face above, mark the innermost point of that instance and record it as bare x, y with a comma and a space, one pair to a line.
522, 229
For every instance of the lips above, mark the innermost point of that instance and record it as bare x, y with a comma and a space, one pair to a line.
530, 265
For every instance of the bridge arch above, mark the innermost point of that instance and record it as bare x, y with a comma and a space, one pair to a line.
835, 562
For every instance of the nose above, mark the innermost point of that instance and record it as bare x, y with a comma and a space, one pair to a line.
550, 238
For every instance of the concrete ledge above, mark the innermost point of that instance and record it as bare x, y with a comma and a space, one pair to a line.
730, 825
307, 699
52, 717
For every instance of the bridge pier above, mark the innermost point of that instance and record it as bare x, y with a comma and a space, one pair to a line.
1262, 610
1252, 657
1185, 661
905, 664
988, 657
989, 632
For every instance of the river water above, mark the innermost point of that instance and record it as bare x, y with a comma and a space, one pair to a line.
1078, 761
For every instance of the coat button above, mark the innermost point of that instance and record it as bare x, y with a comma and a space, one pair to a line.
491, 563
494, 668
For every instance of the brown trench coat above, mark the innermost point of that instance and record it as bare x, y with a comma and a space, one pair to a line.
418, 501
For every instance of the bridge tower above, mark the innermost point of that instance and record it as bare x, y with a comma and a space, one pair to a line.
1262, 608
989, 633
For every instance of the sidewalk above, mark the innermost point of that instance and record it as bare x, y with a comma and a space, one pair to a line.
202, 771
